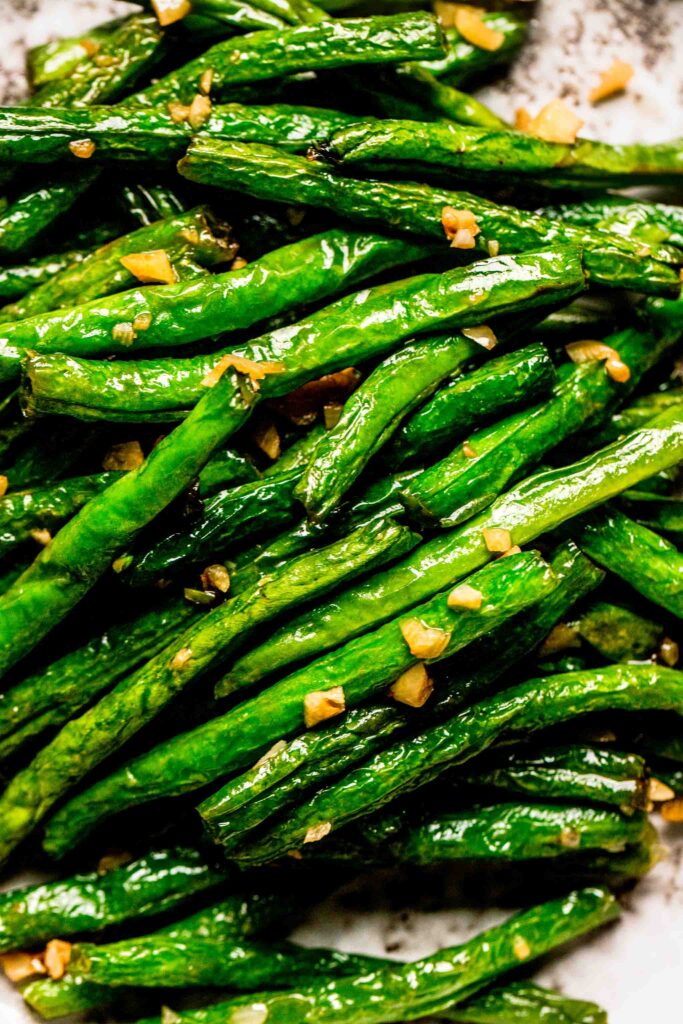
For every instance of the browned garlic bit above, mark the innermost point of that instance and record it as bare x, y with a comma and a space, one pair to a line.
216, 577
4, 484
424, 641
493, 247
179, 111
331, 414
555, 122
497, 539
322, 704
18, 966
468, 451
521, 948
318, 832
460, 226
125, 456
267, 438
82, 148
414, 687
115, 859
658, 792
596, 351
255, 371
142, 321
612, 81
152, 267
56, 958
206, 81
276, 749
673, 811
481, 335
669, 652
514, 550
90, 46
42, 537
181, 658
123, 334
470, 24
465, 596
561, 637
169, 11
239, 263
570, 838
199, 112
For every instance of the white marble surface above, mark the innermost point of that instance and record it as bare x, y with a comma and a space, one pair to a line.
635, 968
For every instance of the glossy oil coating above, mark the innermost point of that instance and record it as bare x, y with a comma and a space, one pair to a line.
596, 774
367, 666
48, 697
528, 707
453, 489
424, 987
90, 903
365, 325
536, 505
30, 135
502, 384
84, 549
35, 211
84, 742
453, 148
197, 309
273, 54
373, 413
267, 173
101, 272
313, 757
648, 562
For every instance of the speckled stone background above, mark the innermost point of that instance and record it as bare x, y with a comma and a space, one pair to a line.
634, 969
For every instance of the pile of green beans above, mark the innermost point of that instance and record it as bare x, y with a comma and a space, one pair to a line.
340, 513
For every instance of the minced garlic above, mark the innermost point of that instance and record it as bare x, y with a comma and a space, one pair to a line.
323, 704
612, 81
465, 596
414, 687
460, 226
424, 641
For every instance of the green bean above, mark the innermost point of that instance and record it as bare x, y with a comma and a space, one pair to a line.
86, 903
566, 773
47, 451
411, 763
536, 505
102, 273
619, 634
276, 53
124, 56
454, 148
425, 987
464, 60
32, 135
366, 666
524, 1003
653, 223
362, 326
267, 173
160, 961
149, 202
314, 756
661, 514
373, 413
34, 212
237, 917
499, 386
86, 741
49, 696
83, 550
517, 832
650, 564
50, 62
17, 280
190, 311
230, 515
468, 479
